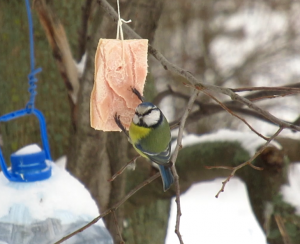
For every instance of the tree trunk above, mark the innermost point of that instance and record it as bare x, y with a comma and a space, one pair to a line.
94, 156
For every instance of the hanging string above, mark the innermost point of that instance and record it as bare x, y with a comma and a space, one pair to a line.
31, 77
120, 32
120, 21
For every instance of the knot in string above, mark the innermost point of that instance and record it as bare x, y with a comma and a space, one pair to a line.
120, 30
120, 22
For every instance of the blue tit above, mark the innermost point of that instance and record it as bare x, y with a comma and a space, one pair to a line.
150, 135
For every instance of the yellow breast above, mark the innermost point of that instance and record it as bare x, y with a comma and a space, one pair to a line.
137, 132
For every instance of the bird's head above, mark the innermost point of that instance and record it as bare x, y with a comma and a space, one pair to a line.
147, 115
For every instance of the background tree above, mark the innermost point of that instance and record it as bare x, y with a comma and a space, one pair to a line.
191, 34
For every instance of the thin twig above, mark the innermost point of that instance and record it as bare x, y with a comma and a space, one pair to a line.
234, 169
269, 93
235, 97
264, 88
263, 94
117, 226
174, 157
232, 113
113, 208
207, 109
285, 237
273, 96
122, 169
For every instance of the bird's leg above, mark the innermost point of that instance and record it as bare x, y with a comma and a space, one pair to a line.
137, 93
120, 125
170, 164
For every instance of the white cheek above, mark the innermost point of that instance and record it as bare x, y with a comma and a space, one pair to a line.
152, 118
135, 119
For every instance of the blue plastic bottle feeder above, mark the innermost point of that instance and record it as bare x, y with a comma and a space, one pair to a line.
28, 165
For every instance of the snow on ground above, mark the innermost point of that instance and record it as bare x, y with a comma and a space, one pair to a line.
248, 140
209, 220
228, 219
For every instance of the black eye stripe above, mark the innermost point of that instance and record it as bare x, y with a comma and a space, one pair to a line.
150, 110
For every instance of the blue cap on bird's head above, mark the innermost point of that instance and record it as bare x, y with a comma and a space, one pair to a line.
145, 107
147, 104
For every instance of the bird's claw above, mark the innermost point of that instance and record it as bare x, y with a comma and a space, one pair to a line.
137, 93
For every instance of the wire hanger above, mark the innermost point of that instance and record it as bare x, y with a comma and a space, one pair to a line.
28, 110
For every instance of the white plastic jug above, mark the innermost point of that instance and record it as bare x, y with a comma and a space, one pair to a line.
44, 211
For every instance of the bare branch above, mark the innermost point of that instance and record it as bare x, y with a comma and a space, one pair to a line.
235, 97
265, 94
234, 169
174, 157
264, 88
269, 92
113, 208
59, 43
274, 96
229, 111
117, 226
123, 168
207, 109
282, 229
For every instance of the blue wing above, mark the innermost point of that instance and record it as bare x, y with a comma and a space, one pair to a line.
161, 158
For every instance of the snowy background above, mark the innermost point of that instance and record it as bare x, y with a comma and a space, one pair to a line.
229, 218
206, 219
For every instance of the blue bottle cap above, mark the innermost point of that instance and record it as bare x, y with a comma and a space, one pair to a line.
29, 164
